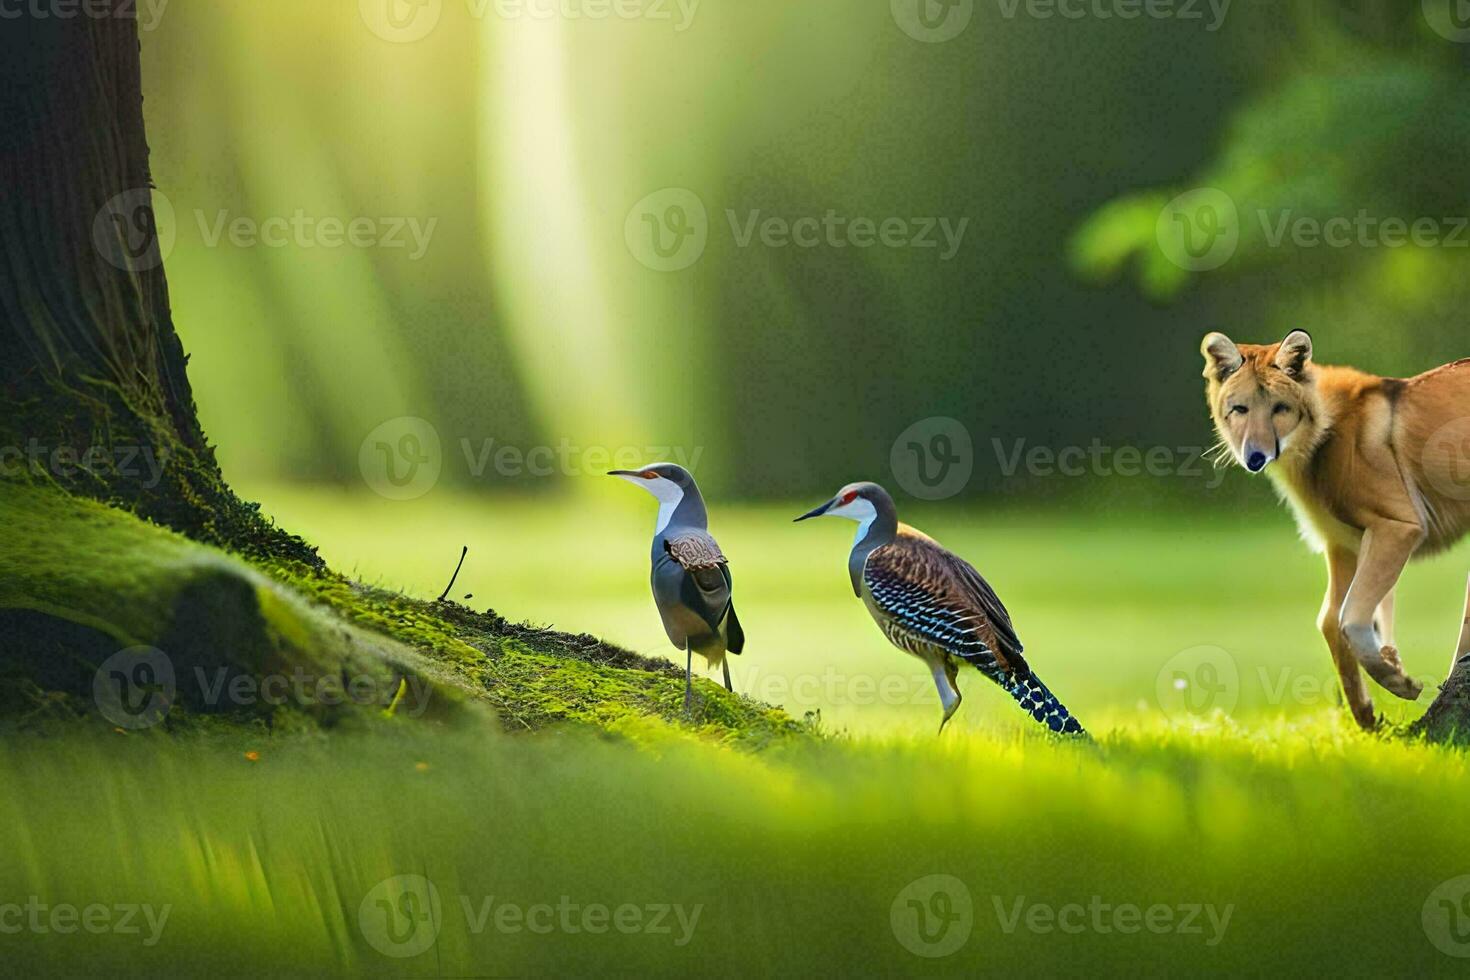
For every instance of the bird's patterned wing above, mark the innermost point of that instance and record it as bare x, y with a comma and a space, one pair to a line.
695, 550
995, 610
929, 594
706, 586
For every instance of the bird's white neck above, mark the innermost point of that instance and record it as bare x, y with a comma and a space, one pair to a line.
666, 510
864, 513
670, 496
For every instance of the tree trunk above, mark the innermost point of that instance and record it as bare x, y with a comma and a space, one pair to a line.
1448, 717
94, 397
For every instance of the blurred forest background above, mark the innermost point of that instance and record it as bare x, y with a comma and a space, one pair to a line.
524, 145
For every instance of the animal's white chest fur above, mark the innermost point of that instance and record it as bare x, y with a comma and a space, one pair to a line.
1318, 528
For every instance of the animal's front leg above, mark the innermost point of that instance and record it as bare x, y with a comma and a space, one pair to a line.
1341, 564
1383, 621
1387, 546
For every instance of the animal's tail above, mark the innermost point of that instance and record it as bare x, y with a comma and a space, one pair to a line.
1041, 704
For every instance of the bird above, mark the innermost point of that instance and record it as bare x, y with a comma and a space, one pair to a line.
934, 605
691, 576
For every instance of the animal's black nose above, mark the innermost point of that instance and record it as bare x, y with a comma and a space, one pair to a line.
1256, 461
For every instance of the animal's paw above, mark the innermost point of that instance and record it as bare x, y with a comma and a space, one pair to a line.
1382, 664
1398, 682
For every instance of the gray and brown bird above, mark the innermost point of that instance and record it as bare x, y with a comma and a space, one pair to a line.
932, 604
691, 578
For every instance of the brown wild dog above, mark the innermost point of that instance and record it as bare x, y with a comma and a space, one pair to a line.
1376, 469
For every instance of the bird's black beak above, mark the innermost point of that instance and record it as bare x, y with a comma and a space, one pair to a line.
818, 512
621, 473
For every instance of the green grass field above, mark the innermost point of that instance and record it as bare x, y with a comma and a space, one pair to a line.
1272, 838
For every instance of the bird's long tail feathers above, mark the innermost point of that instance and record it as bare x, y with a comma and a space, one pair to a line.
1034, 697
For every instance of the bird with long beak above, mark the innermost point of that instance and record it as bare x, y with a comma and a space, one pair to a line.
691, 577
932, 604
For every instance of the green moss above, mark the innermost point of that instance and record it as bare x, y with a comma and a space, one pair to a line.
82, 581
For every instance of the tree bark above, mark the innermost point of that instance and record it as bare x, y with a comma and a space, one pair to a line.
94, 380
1448, 717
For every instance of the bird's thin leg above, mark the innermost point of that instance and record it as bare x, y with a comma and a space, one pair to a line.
728, 686
944, 681
688, 676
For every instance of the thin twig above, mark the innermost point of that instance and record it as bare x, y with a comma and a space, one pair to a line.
463, 551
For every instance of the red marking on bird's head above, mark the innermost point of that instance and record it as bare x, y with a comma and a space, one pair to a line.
848, 498
649, 475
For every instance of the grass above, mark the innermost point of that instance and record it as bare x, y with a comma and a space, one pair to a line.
1320, 845
1323, 845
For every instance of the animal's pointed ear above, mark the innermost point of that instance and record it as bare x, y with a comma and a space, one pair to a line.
1222, 357
1294, 353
